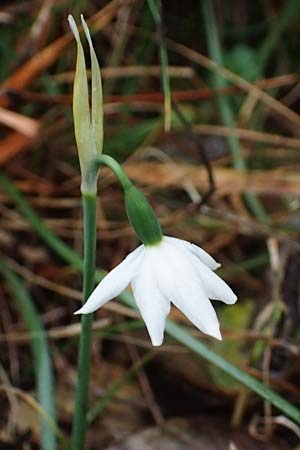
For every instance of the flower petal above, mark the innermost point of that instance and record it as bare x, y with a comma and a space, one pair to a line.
198, 309
153, 305
197, 251
114, 282
178, 281
213, 285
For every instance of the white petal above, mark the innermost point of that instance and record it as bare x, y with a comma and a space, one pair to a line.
208, 260
213, 285
178, 280
153, 305
114, 282
198, 309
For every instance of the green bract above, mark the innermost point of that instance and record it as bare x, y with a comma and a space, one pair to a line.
88, 126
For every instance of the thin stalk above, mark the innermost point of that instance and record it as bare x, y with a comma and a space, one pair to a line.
227, 116
84, 358
116, 168
155, 7
289, 12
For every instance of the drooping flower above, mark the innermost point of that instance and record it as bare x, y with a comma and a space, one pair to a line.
170, 271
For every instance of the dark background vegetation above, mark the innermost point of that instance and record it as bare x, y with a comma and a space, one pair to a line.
248, 218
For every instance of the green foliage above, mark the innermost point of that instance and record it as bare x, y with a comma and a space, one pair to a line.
243, 61
42, 362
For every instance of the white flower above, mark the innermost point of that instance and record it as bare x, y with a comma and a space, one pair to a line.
172, 271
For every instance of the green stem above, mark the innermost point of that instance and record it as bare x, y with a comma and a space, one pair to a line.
84, 358
116, 168
227, 116
155, 7
289, 12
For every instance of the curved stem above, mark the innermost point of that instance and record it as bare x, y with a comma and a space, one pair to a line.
84, 358
116, 168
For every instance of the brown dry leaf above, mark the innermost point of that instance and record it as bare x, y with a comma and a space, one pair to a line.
13, 144
35, 185
24, 125
228, 181
35, 65
27, 419
247, 135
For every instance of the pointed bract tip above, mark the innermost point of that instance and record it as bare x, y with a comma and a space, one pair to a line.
73, 27
86, 30
83, 20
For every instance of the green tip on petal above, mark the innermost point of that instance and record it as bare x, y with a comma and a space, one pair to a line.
73, 27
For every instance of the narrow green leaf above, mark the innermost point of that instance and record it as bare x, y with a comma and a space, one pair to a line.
182, 335
155, 9
226, 112
40, 352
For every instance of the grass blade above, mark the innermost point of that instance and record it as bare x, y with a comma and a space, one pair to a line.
40, 352
155, 7
182, 335
226, 112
